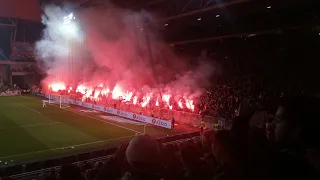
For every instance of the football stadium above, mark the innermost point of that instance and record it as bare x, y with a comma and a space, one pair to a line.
159, 89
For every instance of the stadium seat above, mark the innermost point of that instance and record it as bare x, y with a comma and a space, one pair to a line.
69, 159
178, 136
162, 140
172, 147
34, 166
52, 163
84, 156
99, 153
12, 170
110, 151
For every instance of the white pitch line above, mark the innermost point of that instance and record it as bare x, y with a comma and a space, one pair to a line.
66, 147
31, 109
91, 117
30, 125
100, 120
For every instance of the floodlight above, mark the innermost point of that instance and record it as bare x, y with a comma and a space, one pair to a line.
68, 19
69, 27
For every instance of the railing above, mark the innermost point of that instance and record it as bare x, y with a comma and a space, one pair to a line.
10, 93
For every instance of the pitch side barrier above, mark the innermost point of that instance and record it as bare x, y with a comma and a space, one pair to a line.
121, 113
10, 93
179, 116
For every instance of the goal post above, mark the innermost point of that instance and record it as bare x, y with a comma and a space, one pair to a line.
49, 98
61, 100
64, 101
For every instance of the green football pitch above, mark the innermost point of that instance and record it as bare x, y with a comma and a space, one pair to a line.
30, 132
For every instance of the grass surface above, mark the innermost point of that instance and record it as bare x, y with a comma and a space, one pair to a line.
28, 131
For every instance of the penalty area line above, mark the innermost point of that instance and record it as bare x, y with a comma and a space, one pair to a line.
66, 147
82, 114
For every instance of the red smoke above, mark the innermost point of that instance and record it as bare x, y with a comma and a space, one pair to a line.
114, 55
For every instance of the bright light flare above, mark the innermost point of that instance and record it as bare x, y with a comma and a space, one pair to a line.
135, 100
146, 100
81, 89
55, 87
69, 28
68, 19
99, 91
166, 99
180, 103
96, 93
117, 92
105, 92
189, 104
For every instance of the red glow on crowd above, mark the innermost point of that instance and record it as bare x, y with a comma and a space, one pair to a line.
57, 86
151, 99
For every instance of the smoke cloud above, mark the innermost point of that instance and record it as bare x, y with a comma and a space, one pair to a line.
113, 46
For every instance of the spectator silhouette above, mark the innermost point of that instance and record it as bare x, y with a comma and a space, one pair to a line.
110, 170
296, 131
52, 174
92, 173
145, 159
70, 171
223, 153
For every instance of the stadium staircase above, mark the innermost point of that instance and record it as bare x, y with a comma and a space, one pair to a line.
34, 170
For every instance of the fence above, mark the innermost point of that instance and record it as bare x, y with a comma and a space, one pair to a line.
10, 93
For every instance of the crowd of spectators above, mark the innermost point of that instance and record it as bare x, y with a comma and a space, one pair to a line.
223, 99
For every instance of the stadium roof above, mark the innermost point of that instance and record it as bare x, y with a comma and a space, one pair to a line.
186, 21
